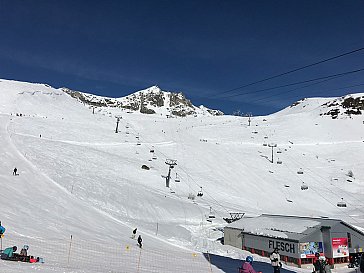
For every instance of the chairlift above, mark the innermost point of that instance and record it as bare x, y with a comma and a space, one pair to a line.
286, 185
289, 200
154, 156
138, 143
127, 126
127, 132
211, 215
177, 180
200, 193
341, 203
279, 152
265, 144
172, 191
234, 216
304, 186
300, 171
279, 161
151, 150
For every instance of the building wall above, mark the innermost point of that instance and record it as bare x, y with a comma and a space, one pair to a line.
233, 237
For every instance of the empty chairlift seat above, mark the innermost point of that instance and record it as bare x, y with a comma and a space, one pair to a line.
200, 193
300, 171
341, 203
304, 186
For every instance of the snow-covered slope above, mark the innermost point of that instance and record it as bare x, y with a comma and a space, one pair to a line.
149, 101
78, 177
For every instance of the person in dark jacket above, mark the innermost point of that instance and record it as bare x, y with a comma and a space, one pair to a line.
362, 263
140, 240
15, 171
316, 263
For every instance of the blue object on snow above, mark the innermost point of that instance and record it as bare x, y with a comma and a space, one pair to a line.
2, 230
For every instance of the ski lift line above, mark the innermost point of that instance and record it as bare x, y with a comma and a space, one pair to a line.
319, 193
295, 89
324, 179
292, 71
193, 180
294, 83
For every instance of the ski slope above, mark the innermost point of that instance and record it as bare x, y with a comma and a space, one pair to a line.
78, 177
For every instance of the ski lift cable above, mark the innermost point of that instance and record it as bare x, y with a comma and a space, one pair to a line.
313, 175
322, 196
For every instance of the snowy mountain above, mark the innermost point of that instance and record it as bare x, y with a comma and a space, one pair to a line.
78, 177
149, 101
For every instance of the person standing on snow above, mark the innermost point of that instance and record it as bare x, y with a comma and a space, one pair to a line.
247, 266
316, 263
140, 240
275, 259
15, 171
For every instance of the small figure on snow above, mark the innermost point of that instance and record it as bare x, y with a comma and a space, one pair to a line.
134, 233
24, 253
247, 266
8, 253
140, 240
15, 171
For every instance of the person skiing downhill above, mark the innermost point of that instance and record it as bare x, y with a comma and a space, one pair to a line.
140, 240
247, 266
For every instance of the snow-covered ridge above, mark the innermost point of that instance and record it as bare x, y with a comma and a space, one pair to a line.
341, 107
152, 100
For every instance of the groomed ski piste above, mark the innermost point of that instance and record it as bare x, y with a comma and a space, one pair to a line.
79, 178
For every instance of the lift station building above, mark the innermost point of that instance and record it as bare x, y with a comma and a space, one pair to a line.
297, 238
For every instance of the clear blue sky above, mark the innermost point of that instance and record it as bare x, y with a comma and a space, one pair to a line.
201, 48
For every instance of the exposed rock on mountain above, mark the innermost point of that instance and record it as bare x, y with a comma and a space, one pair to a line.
149, 101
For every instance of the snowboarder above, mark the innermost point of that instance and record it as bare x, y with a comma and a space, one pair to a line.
8, 253
275, 259
140, 240
247, 266
15, 171
134, 233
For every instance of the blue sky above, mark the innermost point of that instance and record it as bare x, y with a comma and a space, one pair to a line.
202, 48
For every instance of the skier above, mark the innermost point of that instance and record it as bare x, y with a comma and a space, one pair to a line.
247, 266
15, 171
134, 233
362, 263
8, 253
140, 241
275, 259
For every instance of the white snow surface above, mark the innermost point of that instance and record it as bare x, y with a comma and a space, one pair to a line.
78, 177
274, 226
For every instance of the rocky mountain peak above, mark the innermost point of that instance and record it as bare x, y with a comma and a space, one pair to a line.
152, 100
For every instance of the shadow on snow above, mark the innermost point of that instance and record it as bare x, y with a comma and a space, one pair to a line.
230, 265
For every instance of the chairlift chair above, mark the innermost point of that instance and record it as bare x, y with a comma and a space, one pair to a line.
177, 180
279, 161
304, 186
300, 171
200, 193
154, 157
211, 214
341, 203
138, 143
